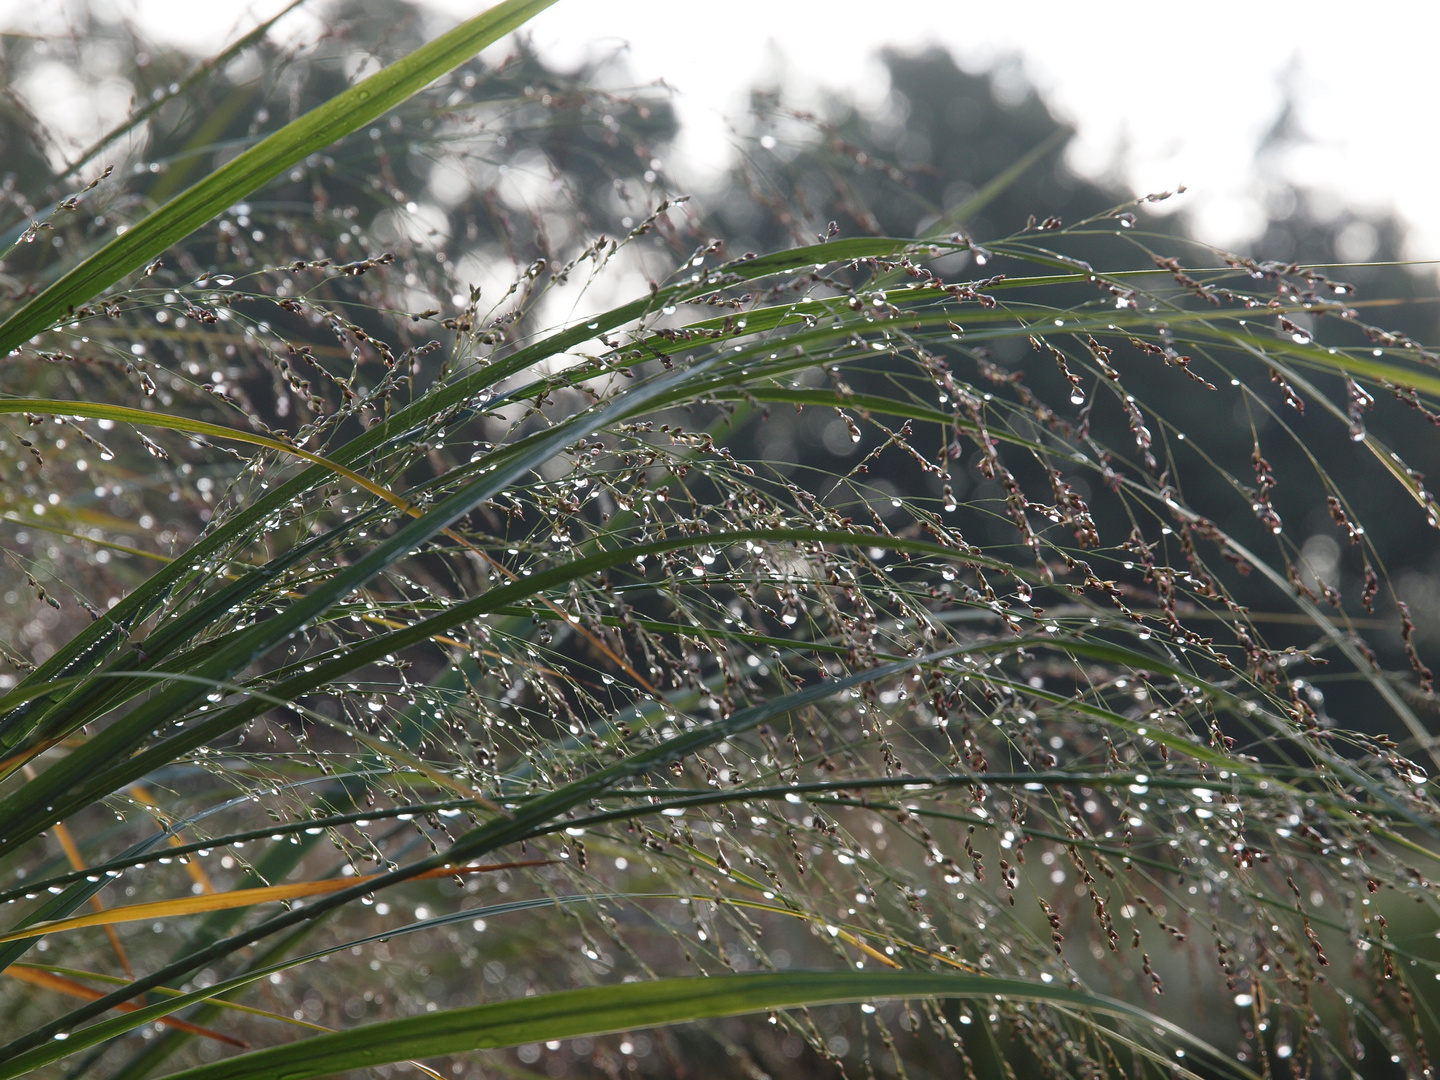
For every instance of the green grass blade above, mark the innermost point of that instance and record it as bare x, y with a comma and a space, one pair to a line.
314, 131
65, 902
603, 1009
119, 414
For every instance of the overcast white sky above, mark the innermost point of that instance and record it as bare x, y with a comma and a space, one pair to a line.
1164, 93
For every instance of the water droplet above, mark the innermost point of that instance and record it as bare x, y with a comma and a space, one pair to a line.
223, 279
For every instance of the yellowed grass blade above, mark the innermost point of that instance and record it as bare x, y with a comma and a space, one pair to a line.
121, 414
195, 905
51, 981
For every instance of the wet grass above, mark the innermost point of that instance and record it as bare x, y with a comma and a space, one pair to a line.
441, 667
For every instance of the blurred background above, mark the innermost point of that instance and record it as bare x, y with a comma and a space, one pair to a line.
1240, 103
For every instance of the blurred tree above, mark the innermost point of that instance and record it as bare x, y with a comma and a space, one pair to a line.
952, 152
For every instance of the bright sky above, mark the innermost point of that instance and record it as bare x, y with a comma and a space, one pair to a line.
1162, 94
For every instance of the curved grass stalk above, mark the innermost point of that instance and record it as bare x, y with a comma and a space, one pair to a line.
240, 176
570, 1014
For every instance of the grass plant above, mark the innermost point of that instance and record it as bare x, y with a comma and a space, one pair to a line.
492, 698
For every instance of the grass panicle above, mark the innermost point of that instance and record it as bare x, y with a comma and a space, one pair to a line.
664, 634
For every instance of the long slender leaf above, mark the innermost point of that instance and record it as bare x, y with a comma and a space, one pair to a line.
314, 131
599, 1010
